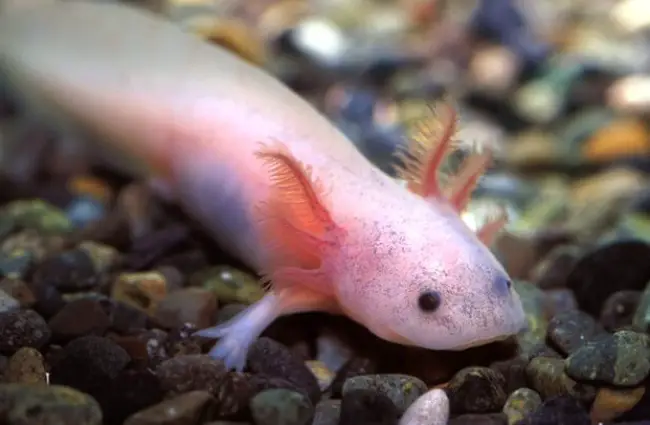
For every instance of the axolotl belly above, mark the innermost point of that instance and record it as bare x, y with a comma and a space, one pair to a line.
269, 177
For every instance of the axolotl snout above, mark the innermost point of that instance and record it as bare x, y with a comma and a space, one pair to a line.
271, 179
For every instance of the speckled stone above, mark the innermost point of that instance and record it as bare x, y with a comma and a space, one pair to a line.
402, 390
476, 390
520, 404
570, 330
327, 412
547, 376
26, 366
23, 404
621, 359
22, 328
280, 406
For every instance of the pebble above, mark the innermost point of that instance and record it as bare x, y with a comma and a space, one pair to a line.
561, 410
479, 419
547, 376
189, 305
570, 330
353, 367
142, 290
270, 358
560, 301
79, 318
190, 408
321, 372
327, 412
72, 270
641, 318
131, 391
521, 403
15, 263
402, 390
612, 402
19, 291
26, 404
514, 372
552, 271
368, 407
230, 285
38, 215
124, 318
609, 268
184, 373
229, 311
622, 359
619, 309
26, 366
476, 390
280, 406
432, 408
89, 364
22, 328
534, 303
7, 302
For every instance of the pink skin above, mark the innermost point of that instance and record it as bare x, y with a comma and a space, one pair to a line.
271, 179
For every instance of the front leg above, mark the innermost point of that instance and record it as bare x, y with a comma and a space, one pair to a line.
237, 334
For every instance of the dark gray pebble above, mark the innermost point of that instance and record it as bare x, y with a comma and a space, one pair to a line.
89, 364
562, 410
25, 404
570, 330
22, 328
619, 265
79, 318
618, 310
123, 317
476, 390
353, 367
72, 270
368, 407
268, 357
132, 391
514, 372
327, 412
479, 419
193, 372
402, 390
281, 407
622, 359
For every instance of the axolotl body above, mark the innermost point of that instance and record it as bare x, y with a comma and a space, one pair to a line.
272, 180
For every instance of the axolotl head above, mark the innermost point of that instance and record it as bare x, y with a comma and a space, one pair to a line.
425, 279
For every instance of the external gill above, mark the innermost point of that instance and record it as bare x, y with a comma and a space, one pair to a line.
430, 141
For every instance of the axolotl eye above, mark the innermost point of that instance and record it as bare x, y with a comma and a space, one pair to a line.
429, 301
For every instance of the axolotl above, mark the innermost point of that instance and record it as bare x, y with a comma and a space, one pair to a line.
270, 177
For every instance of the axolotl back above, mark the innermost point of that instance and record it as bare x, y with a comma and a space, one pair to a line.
270, 178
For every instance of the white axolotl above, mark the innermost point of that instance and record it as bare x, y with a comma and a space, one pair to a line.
270, 177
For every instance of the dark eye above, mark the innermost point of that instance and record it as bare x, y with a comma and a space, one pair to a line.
429, 301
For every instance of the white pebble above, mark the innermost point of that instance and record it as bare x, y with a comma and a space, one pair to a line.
432, 408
